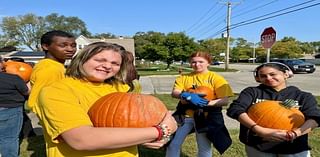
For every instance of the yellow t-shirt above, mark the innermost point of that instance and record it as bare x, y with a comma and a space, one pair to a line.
44, 73
64, 105
216, 82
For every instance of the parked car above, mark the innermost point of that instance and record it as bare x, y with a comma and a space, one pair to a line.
217, 63
297, 65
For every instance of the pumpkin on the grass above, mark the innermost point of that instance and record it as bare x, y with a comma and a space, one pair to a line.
18, 68
127, 110
276, 114
202, 90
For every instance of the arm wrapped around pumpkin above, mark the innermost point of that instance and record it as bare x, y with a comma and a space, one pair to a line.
133, 110
285, 118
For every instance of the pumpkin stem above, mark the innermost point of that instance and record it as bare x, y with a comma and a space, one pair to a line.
194, 86
289, 103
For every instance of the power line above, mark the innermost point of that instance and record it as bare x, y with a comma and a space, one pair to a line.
215, 13
297, 5
275, 15
254, 20
210, 27
245, 12
201, 18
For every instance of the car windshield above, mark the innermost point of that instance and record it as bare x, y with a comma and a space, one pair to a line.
295, 61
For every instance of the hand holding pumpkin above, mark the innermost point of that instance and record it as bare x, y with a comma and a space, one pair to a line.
194, 98
155, 144
269, 134
169, 121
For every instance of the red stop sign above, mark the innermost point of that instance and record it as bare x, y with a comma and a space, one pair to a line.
268, 37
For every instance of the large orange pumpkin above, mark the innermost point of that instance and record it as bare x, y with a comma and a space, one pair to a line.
202, 90
276, 114
127, 110
18, 68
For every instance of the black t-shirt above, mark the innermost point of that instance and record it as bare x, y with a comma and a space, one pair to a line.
13, 90
250, 95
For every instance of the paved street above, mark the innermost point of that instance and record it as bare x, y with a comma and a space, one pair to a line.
238, 80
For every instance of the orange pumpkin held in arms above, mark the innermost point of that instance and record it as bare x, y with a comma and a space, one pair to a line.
202, 90
18, 68
127, 110
276, 114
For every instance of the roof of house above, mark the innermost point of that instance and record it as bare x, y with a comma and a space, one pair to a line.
127, 43
28, 53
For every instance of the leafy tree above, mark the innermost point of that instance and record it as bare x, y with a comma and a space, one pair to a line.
103, 36
7, 42
307, 48
71, 24
316, 46
288, 47
149, 45
214, 47
179, 47
242, 51
27, 29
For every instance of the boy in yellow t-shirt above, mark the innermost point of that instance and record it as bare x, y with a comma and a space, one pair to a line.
58, 47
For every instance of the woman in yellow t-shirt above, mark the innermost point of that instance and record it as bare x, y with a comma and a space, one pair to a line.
197, 113
64, 105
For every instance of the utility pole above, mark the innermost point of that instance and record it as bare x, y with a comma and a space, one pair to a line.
228, 36
254, 53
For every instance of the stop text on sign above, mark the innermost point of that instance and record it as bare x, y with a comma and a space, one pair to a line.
268, 38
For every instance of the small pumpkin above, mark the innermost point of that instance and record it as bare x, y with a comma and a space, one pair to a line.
121, 109
21, 69
202, 90
276, 114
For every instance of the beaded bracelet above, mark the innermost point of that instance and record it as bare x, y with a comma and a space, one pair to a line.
160, 133
164, 133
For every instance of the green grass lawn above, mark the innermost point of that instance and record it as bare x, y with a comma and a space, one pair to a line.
34, 146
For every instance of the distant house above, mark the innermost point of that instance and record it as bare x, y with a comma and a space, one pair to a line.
128, 44
8, 49
27, 56
82, 41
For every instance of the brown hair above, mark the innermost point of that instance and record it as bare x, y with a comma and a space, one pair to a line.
204, 55
75, 69
132, 72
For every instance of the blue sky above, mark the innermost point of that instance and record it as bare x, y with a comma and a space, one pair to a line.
200, 19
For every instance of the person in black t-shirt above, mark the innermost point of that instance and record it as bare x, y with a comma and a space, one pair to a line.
263, 141
13, 94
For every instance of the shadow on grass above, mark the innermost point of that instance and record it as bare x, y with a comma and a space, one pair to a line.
146, 152
33, 147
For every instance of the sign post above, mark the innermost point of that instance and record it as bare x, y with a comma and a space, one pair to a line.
268, 38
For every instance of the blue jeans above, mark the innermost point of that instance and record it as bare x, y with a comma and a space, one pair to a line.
204, 145
10, 126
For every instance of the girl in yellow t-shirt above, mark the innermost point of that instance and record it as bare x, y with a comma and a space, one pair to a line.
210, 126
64, 105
